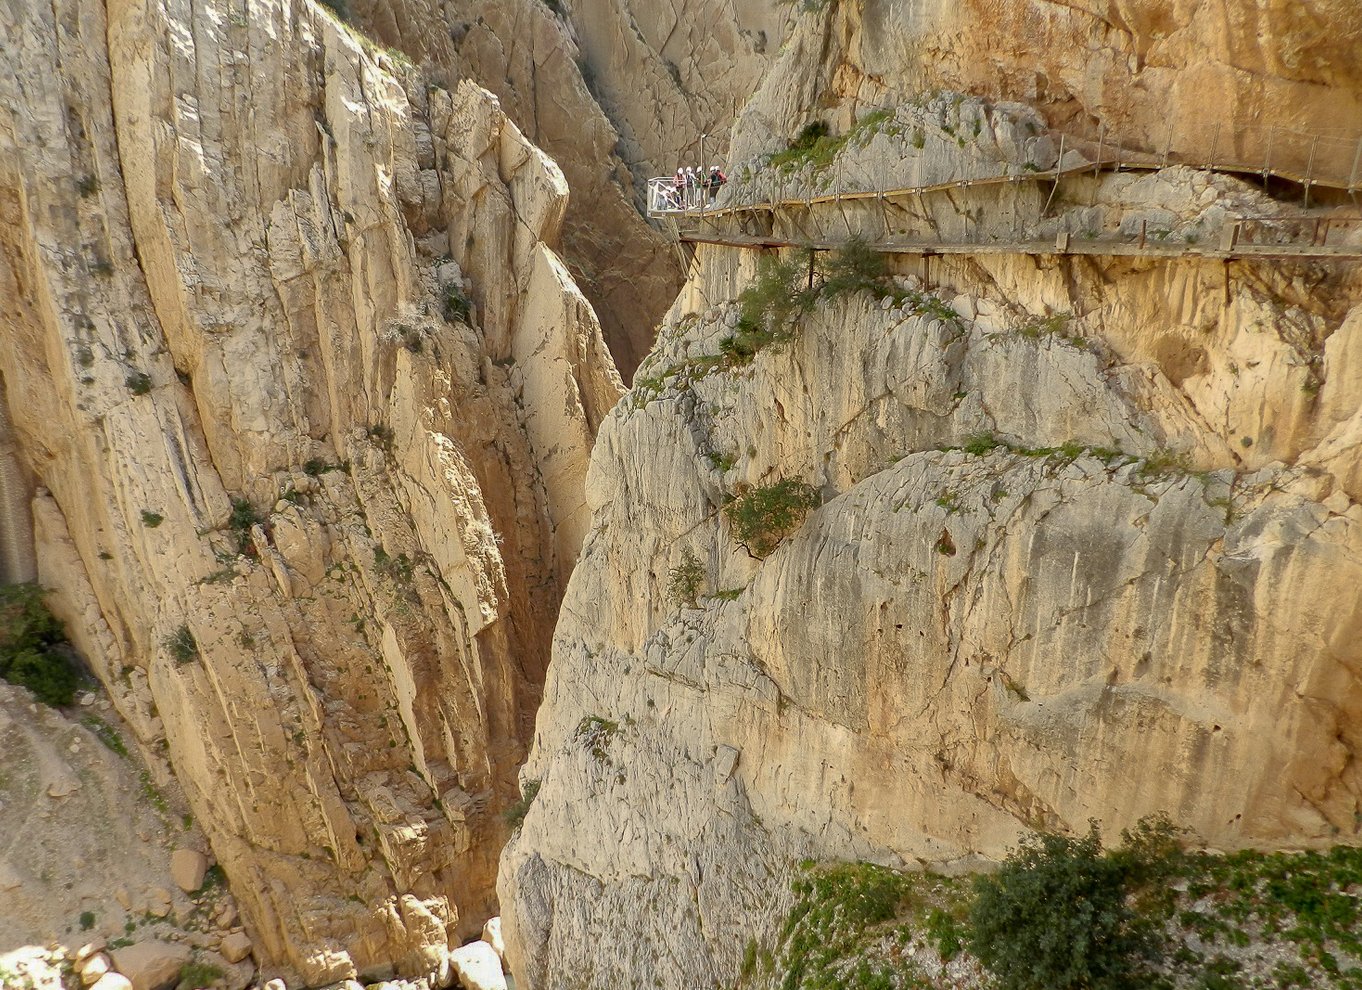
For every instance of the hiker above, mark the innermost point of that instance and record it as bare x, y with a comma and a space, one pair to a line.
691, 183
715, 179
679, 195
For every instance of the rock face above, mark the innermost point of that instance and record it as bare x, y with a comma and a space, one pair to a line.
957, 644
527, 53
1080, 521
1201, 79
303, 396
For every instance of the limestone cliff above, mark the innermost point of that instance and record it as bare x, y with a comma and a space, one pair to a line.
1262, 79
1082, 526
298, 399
538, 59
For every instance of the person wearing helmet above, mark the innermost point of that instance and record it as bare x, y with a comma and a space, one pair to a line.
715, 179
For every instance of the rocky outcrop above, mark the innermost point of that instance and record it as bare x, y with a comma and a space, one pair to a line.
1206, 81
306, 394
668, 74
1062, 502
527, 53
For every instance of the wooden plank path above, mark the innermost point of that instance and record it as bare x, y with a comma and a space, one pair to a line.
1231, 245
1103, 248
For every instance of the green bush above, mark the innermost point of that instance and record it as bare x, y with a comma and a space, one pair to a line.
195, 975
855, 267
761, 517
32, 646
341, 8
455, 306
138, 382
516, 813
686, 580
240, 522
1055, 916
183, 646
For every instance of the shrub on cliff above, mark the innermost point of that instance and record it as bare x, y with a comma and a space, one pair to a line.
1061, 914
32, 646
762, 516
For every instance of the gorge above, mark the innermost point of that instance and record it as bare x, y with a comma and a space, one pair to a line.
444, 539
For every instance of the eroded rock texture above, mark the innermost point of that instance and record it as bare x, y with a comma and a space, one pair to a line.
1083, 528
1257, 80
537, 58
303, 395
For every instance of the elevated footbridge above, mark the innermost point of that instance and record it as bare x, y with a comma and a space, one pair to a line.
1310, 163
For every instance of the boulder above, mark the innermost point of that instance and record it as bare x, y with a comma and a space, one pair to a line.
235, 947
477, 967
89, 949
491, 934
113, 981
159, 902
151, 965
93, 968
187, 867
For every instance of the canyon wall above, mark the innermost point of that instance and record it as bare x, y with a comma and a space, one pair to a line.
615, 92
1079, 520
303, 395
1259, 80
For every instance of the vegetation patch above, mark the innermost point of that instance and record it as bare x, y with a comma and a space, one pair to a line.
138, 382
33, 648
685, 580
515, 814
1063, 913
785, 290
1053, 325
241, 521
183, 646
195, 974
595, 734
455, 306
764, 515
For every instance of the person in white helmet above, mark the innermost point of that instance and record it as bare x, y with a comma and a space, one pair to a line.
714, 180
692, 188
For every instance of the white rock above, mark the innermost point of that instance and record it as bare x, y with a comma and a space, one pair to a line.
187, 867
94, 968
89, 949
491, 934
275, 984
151, 965
235, 947
113, 981
477, 967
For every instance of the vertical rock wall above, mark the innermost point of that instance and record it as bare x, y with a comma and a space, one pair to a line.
308, 395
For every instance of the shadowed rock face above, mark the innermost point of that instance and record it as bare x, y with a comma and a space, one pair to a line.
967, 639
1204, 80
306, 396
529, 56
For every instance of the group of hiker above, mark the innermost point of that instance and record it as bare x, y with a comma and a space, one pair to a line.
689, 187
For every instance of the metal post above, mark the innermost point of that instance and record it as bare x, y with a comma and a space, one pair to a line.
1143, 224
1215, 140
1310, 171
1267, 158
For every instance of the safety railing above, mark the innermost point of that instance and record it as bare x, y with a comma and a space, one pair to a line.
666, 198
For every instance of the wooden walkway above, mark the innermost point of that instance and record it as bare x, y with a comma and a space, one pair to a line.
1060, 246
703, 225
